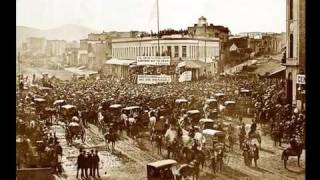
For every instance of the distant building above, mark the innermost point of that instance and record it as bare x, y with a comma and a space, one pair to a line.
71, 57
56, 47
97, 47
295, 53
36, 45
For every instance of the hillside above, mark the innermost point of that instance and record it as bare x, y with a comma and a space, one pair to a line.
68, 32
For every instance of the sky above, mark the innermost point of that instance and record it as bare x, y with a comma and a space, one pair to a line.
125, 15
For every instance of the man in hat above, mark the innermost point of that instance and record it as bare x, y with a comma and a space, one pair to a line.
80, 163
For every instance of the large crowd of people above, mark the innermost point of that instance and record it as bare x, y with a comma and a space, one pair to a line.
265, 102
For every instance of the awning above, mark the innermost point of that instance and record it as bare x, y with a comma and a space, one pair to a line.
78, 71
192, 64
278, 70
121, 62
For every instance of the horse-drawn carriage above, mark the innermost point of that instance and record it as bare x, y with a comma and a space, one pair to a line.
162, 170
40, 104
206, 124
181, 103
74, 130
194, 115
230, 107
212, 108
212, 135
68, 111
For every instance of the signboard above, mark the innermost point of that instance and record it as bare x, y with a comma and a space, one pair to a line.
153, 79
301, 79
185, 76
153, 60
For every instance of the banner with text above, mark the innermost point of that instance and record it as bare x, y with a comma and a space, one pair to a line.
153, 79
153, 60
185, 76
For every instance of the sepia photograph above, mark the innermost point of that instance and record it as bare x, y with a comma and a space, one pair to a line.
160, 90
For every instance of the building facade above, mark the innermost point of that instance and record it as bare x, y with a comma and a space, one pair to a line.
295, 52
203, 29
36, 45
56, 47
177, 47
180, 48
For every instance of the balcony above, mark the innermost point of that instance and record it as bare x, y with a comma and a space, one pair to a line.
290, 62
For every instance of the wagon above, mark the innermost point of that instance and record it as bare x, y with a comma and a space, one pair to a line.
195, 116
68, 111
162, 170
214, 135
206, 123
181, 103
131, 110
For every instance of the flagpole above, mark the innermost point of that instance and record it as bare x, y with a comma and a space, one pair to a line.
158, 27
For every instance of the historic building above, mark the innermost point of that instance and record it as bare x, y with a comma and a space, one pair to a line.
203, 29
203, 52
36, 45
56, 47
295, 53
98, 46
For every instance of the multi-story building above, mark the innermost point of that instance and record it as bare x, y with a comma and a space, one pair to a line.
295, 53
203, 29
36, 45
97, 48
56, 47
202, 52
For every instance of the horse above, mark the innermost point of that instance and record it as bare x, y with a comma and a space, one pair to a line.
187, 170
112, 137
292, 151
255, 135
74, 131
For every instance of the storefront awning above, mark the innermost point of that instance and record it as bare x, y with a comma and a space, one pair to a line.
277, 71
80, 71
121, 62
192, 64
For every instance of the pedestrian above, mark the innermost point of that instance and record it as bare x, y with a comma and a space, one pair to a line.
213, 161
95, 162
220, 159
86, 164
80, 163
256, 154
91, 163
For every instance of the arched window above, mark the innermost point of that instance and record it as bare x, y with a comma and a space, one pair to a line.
291, 46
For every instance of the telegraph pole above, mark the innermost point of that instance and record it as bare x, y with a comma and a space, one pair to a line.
158, 27
205, 44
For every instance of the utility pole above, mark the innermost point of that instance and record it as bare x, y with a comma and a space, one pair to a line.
205, 44
158, 27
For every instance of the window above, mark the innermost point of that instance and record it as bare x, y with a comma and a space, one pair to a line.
184, 51
291, 9
176, 51
291, 46
169, 51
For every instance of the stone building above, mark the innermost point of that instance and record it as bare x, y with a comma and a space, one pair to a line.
295, 53
56, 47
36, 45
202, 28
204, 52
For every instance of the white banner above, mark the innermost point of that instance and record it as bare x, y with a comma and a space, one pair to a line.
185, 76
153, 79
301, 79
153, 60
